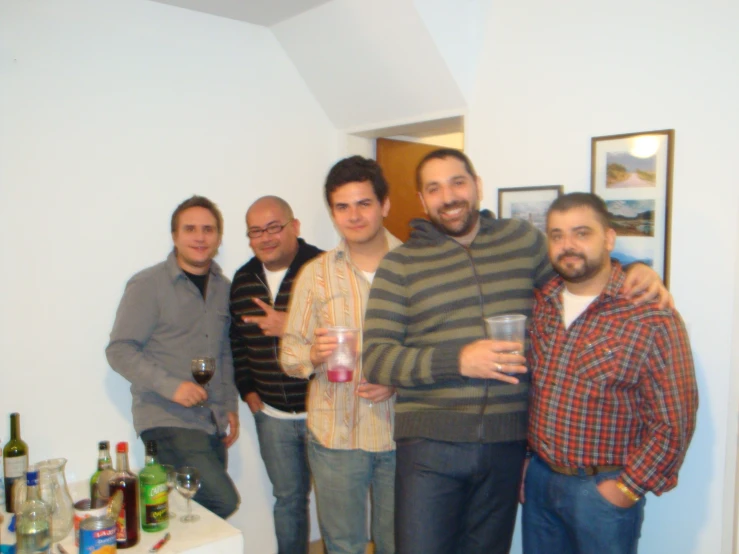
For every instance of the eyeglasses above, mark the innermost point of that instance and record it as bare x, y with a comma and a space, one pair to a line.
271, 229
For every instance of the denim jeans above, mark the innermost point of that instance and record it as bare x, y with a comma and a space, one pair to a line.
343, 479
187, 447
568, 515
456, 497
282, 443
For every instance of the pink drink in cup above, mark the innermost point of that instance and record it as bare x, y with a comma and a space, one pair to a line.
343, 360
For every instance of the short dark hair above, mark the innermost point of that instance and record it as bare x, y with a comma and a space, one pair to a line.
442, 154
579, 200
196, 201
356, 169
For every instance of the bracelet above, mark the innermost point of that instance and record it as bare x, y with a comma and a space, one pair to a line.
624, 489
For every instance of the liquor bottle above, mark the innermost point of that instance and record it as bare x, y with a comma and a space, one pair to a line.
100, 480
127, 522
154, 492
33, 520
15, 460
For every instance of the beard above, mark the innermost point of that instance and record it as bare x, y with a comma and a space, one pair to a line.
573, 272
460, 228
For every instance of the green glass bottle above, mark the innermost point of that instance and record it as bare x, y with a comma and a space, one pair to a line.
15, 460
100, 480
154, 492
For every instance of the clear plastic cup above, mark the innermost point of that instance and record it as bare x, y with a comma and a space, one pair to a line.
343, 361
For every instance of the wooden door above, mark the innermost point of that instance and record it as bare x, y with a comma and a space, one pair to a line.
398, 160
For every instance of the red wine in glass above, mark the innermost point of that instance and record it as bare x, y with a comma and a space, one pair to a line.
203, 370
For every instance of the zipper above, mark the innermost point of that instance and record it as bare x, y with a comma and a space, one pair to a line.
482, 319
275, 339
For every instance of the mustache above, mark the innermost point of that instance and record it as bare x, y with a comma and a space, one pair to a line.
570, 253
455, 204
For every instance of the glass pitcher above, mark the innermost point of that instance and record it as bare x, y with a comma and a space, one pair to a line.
53, 490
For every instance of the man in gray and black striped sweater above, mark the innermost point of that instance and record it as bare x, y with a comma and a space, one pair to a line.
260, 295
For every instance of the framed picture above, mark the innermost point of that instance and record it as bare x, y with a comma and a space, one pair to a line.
529, 203
632, 173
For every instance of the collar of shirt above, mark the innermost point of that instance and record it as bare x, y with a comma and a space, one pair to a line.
341, 252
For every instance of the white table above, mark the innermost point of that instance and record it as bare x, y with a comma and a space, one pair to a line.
209, 535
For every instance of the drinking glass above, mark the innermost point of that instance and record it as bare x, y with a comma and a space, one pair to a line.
188, 483
171, 483
509, 328
202, 371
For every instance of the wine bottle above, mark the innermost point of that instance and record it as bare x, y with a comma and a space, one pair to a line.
15, 460
127, 521
154, 492
33, 520
100, 480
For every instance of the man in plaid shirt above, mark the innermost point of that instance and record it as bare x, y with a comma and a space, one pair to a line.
613, 395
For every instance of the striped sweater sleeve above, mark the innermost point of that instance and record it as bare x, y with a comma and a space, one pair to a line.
387, 359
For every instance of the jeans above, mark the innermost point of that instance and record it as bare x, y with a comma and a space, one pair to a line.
282, 443
187, 447
456, 497
342, 479
568, 515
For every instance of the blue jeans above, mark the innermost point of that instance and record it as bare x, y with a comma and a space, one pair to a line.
456, 497
568, 515
343, 479
282, 443
187, 447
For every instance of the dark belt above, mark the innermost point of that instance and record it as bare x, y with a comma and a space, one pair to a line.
587, 470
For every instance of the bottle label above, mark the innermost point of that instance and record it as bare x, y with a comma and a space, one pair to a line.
120, 525
14, 467
155, 504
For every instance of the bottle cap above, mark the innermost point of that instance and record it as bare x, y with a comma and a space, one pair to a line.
151, 448
103, 445
122, 447
32, 477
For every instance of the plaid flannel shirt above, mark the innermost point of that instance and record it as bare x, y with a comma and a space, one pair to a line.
615, 388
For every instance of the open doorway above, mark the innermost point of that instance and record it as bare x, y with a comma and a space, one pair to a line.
398, 149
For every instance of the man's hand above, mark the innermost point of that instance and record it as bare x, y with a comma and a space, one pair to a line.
521, 493
254, 402
613, 494
489, 359
374, 393
272, 323
642, 284
322, 347
188, 394
233, 429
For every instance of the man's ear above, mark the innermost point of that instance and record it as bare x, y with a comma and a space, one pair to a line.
425, 209
386, 206
610, 239
296, 225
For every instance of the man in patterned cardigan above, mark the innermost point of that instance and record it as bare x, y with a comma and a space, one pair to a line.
260, 295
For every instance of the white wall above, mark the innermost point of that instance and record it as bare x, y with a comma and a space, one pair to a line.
553, 75
111, 113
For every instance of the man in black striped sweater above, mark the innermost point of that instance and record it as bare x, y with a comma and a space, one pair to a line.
260, 295
461, 410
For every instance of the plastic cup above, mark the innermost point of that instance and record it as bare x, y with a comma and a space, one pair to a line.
507, 327
343, 361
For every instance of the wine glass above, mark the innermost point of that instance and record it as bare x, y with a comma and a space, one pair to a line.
188, 483
171, 483
202, 371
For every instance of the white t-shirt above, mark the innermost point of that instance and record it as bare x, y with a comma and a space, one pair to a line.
369, 275
274, 280
574, 305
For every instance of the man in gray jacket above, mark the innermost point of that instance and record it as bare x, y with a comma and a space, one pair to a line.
170, 314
